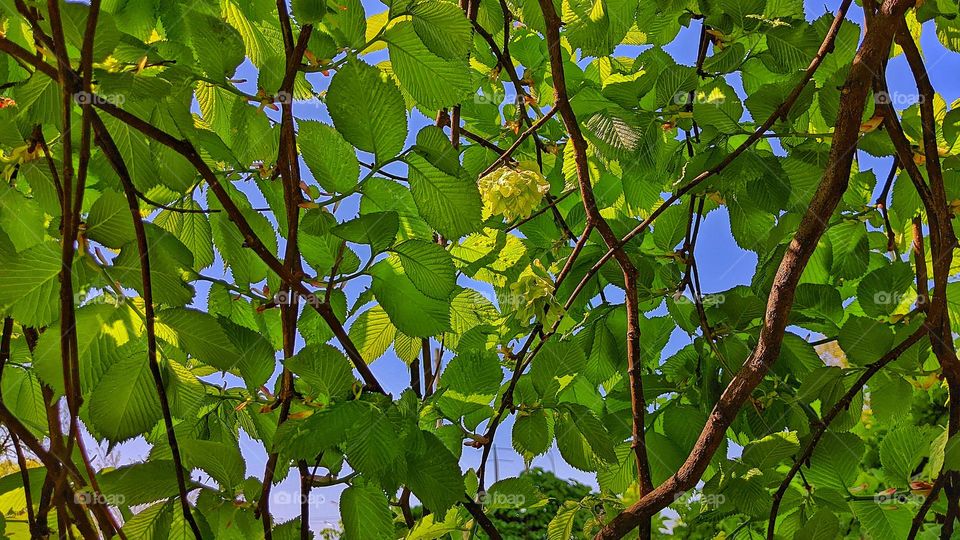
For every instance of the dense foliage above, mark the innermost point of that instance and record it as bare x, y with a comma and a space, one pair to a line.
216, 215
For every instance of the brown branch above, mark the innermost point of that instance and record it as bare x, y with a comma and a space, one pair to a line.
516, 144
404, 504
630, 275
484, 142
52, 409
69, 229
523, 98
551, 204
110, 150
840, 406
25, 478
57, 466
289, 169
920, 261
942, 244
942, 253
931, 498
67, 324
868, 60
481, 519
372, 167
882, 206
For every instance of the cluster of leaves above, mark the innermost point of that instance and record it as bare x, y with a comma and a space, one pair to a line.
398, 252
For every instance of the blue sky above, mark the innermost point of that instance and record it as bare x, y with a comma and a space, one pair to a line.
722, 264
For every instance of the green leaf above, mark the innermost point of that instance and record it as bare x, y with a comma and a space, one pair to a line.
309, 11
368, 110
151, 523
512, 493
169, 262
442, 27
21, 218
435, 476
125, 403
217, 45
850, 249
434, 82
770, 450
75, 25
220, 459
881, 290
532, 433
372, 445
429, 267
835, 461
109, 221
30, 285
674, 84
597, 26
716, 104
23, 396
561, 526
378, 230
618, 477
593, 431
347, 22
822, 525
192, 229
865, 340
365, 514
140, 483
199, 335
450, 204
372, 332
882, 521
469, 382
329, 156
324, 368
412, 312
901, 451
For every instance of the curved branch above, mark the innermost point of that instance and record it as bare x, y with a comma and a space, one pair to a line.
868, 60
482, 519
630, 275
106, 143
516, 144
289, 168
